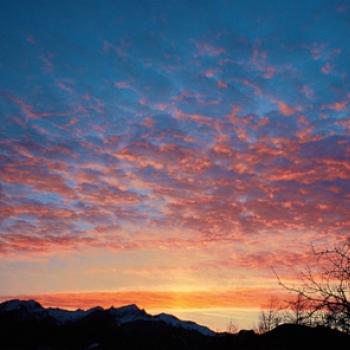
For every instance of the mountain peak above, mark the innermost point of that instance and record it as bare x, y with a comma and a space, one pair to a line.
94, 309
17, 304
130, 307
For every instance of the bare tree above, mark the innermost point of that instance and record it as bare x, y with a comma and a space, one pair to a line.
297, 311
232, 328
270, 316
324, 292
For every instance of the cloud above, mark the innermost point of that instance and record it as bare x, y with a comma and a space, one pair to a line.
217, 196
285, 109
208, 49
151, 138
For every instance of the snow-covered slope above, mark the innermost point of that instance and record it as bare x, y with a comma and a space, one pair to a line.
64, 316
128, 313
175, 322
121, 315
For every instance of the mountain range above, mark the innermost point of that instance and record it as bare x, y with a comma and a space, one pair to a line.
32, 310
30, 326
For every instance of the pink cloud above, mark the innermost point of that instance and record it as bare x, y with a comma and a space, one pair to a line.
327, 68
122, 85
222, 84
210, 73
285, 109
206, 49
30, 39
307, 91
269, 72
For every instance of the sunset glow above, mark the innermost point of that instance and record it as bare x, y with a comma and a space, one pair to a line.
171, 154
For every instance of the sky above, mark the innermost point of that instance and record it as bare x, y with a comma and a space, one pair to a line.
170, 153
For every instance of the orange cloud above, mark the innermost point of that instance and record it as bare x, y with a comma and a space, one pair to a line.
285, 109
337, 106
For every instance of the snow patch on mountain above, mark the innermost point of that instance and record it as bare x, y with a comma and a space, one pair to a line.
121, 315
65, 316
127, 313
175, 322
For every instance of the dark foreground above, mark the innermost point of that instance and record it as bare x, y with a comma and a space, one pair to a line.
21, 328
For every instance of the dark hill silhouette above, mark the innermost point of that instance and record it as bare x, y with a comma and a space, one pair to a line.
28, 325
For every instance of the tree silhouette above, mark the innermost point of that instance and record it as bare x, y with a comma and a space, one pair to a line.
324, 292
298, 311
270, 316
232, 327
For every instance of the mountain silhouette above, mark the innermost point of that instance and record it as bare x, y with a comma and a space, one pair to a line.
28, 325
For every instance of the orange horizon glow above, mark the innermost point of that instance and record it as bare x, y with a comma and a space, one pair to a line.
238, 298
214, 309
